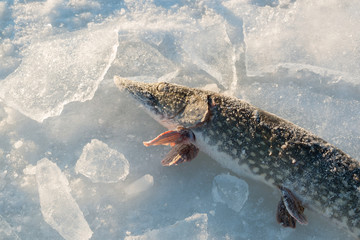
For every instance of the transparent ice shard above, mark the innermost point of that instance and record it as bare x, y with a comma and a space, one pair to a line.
136, 58
100, 163
60, 70
212, 51
192, 228
230, 190
58, 207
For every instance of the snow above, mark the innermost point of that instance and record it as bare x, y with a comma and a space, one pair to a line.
297, 59
100, 163
58, 207
230, 190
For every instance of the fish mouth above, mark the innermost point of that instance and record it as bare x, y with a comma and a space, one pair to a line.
143, 92
132, 87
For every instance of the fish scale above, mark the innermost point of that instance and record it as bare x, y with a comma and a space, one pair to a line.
261, 145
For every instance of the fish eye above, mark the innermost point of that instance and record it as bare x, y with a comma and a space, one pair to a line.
163, 86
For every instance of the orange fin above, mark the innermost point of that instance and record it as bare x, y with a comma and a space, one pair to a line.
293, 205
165, 138
172, 137
183, 152
283, 216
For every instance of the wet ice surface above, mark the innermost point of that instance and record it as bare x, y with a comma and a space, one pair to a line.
57, 61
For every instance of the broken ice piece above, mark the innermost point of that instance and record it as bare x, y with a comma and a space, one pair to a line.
100, 163
231, 191
58, 207
65, 68
191, 228
140, 185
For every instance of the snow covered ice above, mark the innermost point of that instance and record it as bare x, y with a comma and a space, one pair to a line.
100, 163
297, 59
58, 207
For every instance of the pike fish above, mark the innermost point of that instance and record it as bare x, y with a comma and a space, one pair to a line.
308, 171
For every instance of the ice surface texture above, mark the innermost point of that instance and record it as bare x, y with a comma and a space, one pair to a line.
58, 207
100, 163
140, 185
6, 231
57, 71
192, 228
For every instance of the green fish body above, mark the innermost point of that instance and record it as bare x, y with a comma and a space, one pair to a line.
261, 145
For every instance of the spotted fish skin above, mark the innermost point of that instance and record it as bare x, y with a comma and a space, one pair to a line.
250, 141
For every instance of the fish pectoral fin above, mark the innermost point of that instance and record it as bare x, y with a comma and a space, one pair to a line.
181, 140
283, 216
172, 137
183, 152
293, 205
165, 138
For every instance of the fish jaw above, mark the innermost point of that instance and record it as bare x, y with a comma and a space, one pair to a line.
142, 92
170, 104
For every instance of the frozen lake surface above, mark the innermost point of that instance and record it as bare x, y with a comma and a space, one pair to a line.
72, 162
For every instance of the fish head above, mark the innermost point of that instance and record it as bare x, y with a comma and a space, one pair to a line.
170, 104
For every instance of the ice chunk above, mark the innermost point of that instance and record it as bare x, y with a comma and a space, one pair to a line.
230, 190
58, 207
100, 163
137, 58
58, 71
301, 32
6, 231
194, 227
215, 54
140, 185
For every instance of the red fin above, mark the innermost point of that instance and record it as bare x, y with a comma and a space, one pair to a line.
172, 137
183, 152
293, 205
165, 138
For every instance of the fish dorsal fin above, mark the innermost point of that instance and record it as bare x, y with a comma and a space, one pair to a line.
293, 206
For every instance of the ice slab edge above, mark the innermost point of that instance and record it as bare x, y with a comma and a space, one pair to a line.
100, 163
191, 228
60, 70
58, 207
